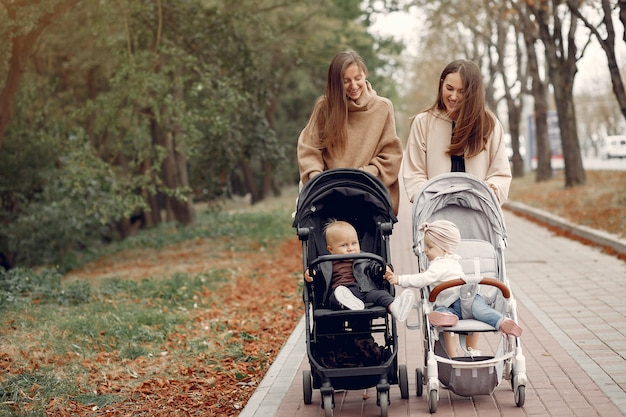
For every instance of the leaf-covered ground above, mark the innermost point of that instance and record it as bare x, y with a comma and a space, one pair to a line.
260, 312
599, 204
236, 327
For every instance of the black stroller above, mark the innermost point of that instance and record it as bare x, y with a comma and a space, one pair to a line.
342, 345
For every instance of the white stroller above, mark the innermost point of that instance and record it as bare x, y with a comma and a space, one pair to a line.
469, 203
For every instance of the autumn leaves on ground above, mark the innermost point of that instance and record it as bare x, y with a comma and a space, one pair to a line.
187, 329
186, 321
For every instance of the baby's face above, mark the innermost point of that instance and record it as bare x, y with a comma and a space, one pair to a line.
342, 240
432, 250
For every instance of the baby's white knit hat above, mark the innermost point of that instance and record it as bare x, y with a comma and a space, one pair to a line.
443, 234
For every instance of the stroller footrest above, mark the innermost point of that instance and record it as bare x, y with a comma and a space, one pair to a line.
469, 326
372, 312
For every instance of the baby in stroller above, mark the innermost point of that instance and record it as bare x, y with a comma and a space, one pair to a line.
351, 281
441, 239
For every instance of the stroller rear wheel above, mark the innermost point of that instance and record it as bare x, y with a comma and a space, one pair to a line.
307, 386
403, 381
419, 382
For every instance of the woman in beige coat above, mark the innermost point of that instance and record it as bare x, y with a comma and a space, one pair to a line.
351, 127
457, 134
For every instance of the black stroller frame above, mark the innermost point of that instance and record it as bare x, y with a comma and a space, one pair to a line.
362, 200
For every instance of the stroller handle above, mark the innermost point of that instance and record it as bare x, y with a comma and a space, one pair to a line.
506, 293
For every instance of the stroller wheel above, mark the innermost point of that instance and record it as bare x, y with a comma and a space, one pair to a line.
433, 400
327, 403
419, 382
403, 381
383, 402
307, 387
520, 396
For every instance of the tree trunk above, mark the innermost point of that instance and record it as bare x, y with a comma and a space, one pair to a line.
540, 115
250, 181
561, 58
268, 177
574, 170
174, 175
22, 46
562, 69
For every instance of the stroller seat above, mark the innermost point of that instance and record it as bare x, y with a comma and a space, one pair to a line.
478, 260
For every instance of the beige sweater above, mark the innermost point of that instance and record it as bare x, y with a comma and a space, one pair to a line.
425, 155
373, 144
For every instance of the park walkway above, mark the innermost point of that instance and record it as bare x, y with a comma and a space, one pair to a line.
571, 305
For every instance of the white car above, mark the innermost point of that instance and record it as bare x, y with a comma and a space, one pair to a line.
614, 147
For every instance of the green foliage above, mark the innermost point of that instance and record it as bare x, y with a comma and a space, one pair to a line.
116, 92
22, 286
75, 208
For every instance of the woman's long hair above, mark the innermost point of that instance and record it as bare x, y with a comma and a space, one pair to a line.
475, 123
331, 110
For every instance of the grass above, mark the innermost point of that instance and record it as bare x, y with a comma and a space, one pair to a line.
201, 316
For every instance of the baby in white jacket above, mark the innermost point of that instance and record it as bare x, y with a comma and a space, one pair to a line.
441, 239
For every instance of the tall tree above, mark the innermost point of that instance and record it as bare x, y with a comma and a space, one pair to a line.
538, 89
561, 52
24, 26
606, 40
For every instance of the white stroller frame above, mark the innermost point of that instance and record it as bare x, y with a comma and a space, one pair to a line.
453, 197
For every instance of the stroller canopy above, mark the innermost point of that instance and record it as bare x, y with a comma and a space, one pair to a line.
463, 199
351, 195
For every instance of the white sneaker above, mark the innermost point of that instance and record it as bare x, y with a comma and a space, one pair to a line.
401, 307
347, 299
472, 353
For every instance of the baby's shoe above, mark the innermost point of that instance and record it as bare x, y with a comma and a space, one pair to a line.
347, 299
509, 327
472, 353
401, 306
441, 319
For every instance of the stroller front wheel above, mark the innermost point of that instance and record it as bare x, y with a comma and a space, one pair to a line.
327, 403
383, 402
520, 396
433, 400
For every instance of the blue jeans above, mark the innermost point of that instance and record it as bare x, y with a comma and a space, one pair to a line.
480, 310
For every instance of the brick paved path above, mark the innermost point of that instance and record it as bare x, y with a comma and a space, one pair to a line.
571, 305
